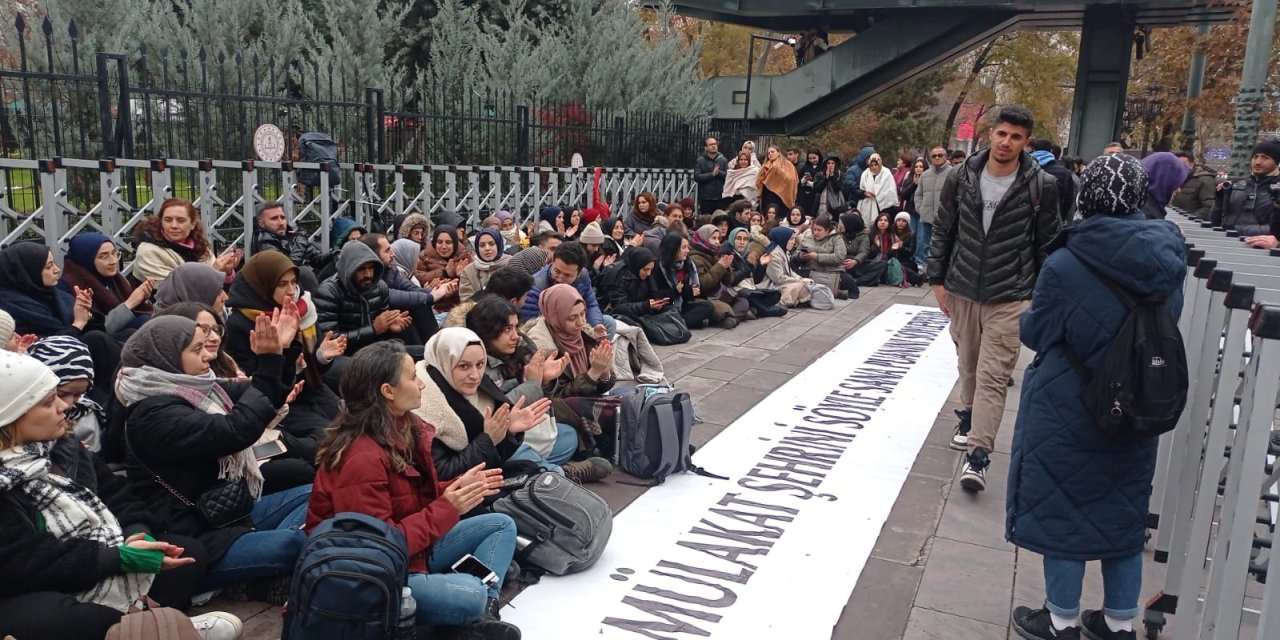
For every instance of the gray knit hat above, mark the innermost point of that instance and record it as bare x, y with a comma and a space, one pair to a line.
591, 234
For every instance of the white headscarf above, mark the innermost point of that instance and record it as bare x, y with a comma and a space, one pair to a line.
444, 349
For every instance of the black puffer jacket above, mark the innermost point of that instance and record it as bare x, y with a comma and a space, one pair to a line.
294, 244
710, 183
343, 309
1247, 207
999, 265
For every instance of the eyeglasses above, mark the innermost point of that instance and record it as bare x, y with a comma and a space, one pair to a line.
215, 329
937, 155
873, 162
114, 255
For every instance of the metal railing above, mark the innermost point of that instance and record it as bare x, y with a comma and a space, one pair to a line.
55, 199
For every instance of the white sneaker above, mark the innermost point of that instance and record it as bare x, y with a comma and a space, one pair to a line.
218, 625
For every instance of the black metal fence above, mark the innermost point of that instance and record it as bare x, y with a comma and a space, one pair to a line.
59, 101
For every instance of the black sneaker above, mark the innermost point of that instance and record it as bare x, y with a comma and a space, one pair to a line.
974, 476
960, 441
1035, 624
1094, 627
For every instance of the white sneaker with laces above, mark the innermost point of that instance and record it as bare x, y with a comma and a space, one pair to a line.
218, 625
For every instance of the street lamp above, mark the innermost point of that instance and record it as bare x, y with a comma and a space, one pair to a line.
751, 59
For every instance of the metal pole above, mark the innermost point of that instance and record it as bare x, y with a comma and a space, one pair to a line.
1262, 29
746, 99
1195, 82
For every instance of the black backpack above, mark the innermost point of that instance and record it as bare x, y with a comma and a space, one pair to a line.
318, 147
1139, 389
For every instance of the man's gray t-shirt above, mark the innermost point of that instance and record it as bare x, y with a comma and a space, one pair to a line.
993, 190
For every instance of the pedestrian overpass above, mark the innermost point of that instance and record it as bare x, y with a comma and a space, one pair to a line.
897, 40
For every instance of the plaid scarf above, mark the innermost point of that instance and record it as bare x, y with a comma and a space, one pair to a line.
135, 384
71, 511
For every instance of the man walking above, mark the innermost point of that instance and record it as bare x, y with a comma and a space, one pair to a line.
997, 212
927, 196
709, 172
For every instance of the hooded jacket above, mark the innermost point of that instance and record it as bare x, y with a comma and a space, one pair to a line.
1197, 193
344, 310
853, 175
998, 265
542, 282
1073, 493
293, 244
1247, 207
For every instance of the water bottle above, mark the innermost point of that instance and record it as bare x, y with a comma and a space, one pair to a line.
408, 627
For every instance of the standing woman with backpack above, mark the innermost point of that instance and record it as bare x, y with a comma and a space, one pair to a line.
1074, 494
375, 459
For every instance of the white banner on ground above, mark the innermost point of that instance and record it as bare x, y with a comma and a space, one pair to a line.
776, 550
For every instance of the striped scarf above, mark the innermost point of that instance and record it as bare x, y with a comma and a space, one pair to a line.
71, 512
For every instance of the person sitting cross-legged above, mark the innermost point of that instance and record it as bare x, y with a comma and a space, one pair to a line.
355, 303
376, 460
569, 267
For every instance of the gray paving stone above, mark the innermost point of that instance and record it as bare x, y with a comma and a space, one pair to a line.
936, 462
698, 388
978, 518
681, 364
727, 403
881, 604
766, 381
926, 624
967, 580
706, 371
913, 521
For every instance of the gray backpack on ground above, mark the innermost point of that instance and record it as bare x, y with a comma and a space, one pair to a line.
654, 426
562, 528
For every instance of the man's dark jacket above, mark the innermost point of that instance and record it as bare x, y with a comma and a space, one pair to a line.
710, 187
293, 244
999, 265
343, 309
1247, 207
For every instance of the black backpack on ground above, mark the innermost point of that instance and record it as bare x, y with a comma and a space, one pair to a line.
1139, 389
348, 581
318, 147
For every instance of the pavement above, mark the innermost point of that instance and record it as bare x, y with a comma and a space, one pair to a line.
941, 568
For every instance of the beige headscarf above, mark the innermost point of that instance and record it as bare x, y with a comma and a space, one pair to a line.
444, 350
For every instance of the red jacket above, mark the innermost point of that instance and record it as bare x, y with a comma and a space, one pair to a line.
364, 482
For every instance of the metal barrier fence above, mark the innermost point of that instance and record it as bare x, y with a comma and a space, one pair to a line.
53, 200
59, 99
1219, 466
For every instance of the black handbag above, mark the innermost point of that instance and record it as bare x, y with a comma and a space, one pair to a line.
224, 504
666, 327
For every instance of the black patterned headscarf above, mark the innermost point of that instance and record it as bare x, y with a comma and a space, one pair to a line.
1113, 185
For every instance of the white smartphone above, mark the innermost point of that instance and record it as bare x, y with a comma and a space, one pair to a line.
471, 565
269, 449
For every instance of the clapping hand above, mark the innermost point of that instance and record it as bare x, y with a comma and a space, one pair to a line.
286, 320
766, 258
141, 294
533, 368
332, 347
25, 342
293, 393
83, 310
525, 418
553, 367
443, 289
265, 337
227, 262
601, 360
497, 423
471, 488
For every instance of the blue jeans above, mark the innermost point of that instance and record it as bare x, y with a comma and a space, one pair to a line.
460, 598
923, 238
273, 548
565, 446
1121, 586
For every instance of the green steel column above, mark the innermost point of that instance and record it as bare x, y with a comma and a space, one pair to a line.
1262, 31
1195, 82
1102, 78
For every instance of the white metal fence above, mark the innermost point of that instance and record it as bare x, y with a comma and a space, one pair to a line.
56, 199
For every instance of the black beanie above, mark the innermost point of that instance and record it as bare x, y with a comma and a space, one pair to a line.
1269, 147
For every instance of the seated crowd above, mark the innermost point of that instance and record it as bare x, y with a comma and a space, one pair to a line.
395, 375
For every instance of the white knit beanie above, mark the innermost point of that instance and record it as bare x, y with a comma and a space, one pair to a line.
24, 382
7, 327
902, 215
